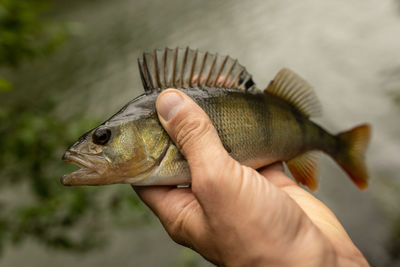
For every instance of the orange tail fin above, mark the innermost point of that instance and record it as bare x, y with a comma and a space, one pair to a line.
351, 157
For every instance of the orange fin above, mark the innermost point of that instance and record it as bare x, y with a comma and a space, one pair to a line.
304, 169
352, 157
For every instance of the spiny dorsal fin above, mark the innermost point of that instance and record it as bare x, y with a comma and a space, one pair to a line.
187, 68
296, 91
304, 169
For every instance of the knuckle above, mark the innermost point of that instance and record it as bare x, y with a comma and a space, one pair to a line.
175, 235
190, 131
179, 228
215, 175
175, 230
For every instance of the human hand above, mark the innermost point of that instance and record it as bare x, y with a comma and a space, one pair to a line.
235, 216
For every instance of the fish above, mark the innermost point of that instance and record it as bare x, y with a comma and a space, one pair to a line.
257, 127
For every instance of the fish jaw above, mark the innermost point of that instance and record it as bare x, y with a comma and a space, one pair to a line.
92, 170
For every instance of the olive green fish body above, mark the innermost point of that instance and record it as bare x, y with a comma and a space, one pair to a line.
256, 127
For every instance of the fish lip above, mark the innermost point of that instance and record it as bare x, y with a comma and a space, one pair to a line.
79, 160
74, 177
88, 169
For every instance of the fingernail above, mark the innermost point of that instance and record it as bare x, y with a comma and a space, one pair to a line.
168, 105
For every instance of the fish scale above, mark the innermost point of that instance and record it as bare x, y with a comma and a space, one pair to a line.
256, 127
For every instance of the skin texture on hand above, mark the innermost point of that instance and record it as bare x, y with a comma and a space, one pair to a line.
234, 215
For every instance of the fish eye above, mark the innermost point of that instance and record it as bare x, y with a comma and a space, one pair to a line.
101, 136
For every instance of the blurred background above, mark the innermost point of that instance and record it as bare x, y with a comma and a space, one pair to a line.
67, 65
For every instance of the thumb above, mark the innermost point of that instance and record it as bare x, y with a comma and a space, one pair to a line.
192, 131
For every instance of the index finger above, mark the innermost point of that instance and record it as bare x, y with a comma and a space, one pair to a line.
165, 202
275, 174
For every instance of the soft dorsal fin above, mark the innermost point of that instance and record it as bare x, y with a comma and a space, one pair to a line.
304, 169
187, 68
293, 89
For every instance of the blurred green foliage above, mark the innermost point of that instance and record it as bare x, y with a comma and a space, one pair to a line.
187, 258
396, 97
5, 85
33, 203
393, 244
24, 31
26, 34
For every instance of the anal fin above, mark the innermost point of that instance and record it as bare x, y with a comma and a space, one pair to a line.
304, 169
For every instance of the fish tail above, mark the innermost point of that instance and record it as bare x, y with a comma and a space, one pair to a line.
351, 155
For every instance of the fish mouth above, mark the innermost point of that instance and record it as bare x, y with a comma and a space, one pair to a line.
90, 172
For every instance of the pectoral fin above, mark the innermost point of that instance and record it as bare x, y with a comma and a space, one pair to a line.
304, 169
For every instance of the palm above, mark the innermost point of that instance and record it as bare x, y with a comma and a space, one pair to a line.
320, 215
177, 205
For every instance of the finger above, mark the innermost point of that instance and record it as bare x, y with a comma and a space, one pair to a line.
315, 209
276, 175
321, 216
277, 166
152, 196
165, 202
178, 211
192, 131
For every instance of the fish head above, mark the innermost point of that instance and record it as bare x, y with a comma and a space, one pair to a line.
121, 150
